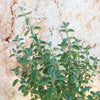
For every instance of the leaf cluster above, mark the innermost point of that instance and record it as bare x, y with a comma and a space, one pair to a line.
52, 76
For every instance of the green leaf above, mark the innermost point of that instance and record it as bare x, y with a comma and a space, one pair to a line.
27, 21
70, 30
90, 97
98, 71
64, 23
24, 14
92, 81
17, 37
34, 91
83, 89
37, 58
25, 58
93, 93
63, 30
20, 51
49, 95
26, 93
15, 82
59, 55
22, 43
44, 80
84, 81
26, 32
14, 51
23, 80
62, 26
19, 59
21, 87
37, 28
42, 42
12, 55
33, 99
74, 54
75, 47
55, 49
21, 8
67, 24
34, 75
97, 92
21, 39
14, 40
17, 68
49, 44
92, 58
18, 46
60, 77
88, 88
64, 56
95, 66
82, 56
67, 97
63, 43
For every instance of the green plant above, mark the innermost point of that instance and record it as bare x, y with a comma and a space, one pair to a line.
50, 75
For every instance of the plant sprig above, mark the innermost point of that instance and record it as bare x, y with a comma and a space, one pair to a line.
51, 76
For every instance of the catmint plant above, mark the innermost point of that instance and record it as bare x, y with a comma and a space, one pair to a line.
48, 75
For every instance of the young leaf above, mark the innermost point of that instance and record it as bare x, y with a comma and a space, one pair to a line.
67, 24
64, 23
17, 37
14, 51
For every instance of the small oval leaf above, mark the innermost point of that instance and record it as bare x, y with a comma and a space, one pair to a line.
37, 28
15, 82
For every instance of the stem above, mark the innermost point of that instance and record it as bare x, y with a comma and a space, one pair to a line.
56, 96
69, 71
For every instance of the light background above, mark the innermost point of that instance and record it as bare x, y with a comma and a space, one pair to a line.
84, 18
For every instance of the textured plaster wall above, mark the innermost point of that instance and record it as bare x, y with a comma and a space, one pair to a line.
84, 18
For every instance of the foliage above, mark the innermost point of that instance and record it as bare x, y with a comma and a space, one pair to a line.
52, 76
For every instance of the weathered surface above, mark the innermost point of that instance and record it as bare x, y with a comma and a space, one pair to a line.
84, 16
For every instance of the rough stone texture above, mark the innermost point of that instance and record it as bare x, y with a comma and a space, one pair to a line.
84, 18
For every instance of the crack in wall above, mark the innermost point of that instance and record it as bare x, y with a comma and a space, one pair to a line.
12, 15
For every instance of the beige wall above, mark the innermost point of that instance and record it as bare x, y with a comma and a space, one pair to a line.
84, 18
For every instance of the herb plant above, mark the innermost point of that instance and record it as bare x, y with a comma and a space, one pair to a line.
54, 76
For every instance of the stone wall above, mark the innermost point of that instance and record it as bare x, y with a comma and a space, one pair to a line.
84, 18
